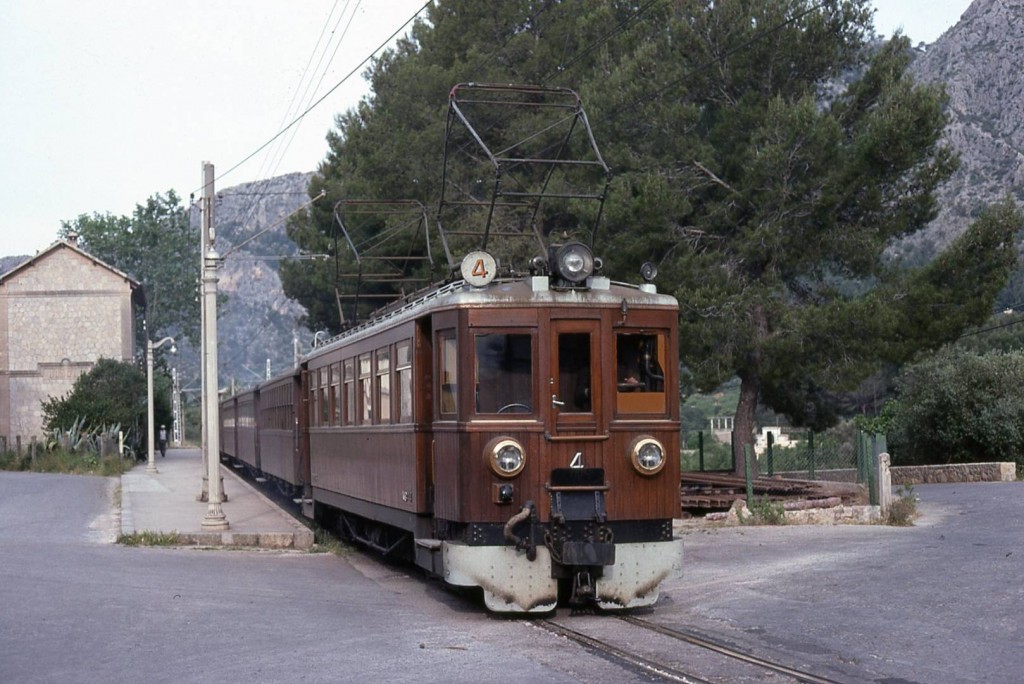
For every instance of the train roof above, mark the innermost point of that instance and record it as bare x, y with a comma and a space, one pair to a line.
534, 291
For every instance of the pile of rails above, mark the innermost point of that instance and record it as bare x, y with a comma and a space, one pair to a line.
702, 493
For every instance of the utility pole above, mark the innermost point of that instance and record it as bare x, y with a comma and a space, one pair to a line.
215, 518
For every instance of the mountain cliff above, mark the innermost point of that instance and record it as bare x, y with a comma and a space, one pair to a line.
979, 59
256, 324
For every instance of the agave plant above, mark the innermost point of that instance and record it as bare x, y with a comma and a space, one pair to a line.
70, 439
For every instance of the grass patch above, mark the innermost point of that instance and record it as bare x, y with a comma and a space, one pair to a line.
326, 542
903, 508
66, 462
147, 538
765, 512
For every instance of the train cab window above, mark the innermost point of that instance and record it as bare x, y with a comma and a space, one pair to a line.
640, 378
349, 379
384, 385
574, 372
449, 374
403, 368
504, 373
366, 389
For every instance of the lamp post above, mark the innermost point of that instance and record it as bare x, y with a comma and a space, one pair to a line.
150, 346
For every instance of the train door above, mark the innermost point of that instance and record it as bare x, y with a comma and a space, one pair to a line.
575, 378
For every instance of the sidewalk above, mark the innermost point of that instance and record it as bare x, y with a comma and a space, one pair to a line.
166, 502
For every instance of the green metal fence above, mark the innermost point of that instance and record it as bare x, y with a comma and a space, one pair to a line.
804, 454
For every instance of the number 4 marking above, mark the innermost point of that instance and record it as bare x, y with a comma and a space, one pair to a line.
577, 460
479, 269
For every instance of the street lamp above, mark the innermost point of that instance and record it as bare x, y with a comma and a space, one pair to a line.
150, 346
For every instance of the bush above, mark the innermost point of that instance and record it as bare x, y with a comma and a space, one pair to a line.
765, 512
960, 407
111, 393
903, 508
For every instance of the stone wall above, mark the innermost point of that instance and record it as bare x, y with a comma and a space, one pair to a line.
932, 474
960, 472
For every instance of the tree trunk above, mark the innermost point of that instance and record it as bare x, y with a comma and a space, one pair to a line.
743, 424
750, 392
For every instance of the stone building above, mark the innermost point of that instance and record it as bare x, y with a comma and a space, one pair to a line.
60, 312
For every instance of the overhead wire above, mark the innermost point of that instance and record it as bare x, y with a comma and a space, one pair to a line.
276, 154
294, 122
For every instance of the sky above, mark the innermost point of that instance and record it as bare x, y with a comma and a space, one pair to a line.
106, 103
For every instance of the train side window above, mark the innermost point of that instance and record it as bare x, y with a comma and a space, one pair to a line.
335, 394
314, 394
640, 378
324, 402
349, 379
366, 388
403, 367
384, 385
504, 373
449, 374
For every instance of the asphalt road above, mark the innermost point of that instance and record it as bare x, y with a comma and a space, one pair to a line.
938, 602
942, 601
76, 608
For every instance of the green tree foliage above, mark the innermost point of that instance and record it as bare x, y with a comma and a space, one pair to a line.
156, 247
765, 156
959, 407
110, 393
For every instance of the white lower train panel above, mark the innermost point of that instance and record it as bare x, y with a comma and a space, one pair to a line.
514, 584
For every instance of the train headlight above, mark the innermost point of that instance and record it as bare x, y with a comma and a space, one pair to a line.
574, 262
505, 457
647, 455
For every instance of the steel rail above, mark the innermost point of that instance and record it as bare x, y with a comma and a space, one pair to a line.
711, 645
632, 659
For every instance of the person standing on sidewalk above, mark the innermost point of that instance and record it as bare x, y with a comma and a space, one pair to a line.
161, 440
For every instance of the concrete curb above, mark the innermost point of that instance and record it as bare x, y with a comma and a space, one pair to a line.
299, 537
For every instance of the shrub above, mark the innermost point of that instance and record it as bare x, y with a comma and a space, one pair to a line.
112, 393
765, 512
903, 509
960, 407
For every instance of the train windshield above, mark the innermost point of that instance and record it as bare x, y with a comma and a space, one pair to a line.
504, 373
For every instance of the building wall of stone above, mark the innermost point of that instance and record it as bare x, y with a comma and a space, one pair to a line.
59, 316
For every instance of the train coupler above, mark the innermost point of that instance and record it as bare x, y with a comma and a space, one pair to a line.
582, 589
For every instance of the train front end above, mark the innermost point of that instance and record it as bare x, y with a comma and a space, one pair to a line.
556, 444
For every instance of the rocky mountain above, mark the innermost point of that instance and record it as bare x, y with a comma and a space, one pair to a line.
258, 327
979, 59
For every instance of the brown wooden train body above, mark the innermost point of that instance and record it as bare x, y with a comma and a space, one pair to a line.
513, 426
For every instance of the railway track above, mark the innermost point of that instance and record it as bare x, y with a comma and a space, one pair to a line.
676, 655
